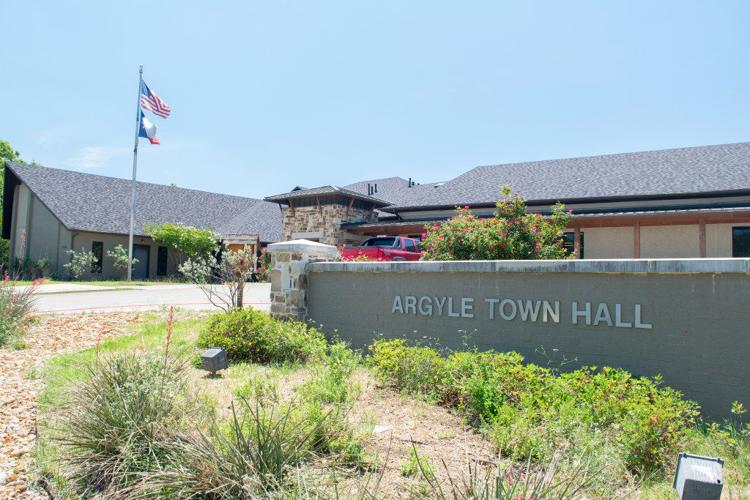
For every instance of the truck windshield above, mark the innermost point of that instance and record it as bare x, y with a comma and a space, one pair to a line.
380, 242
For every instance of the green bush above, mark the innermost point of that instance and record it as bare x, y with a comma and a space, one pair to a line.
249, 335
532, 411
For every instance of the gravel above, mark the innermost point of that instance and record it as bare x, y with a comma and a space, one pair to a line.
51, 336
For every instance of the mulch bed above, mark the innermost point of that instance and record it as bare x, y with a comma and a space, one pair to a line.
51, 336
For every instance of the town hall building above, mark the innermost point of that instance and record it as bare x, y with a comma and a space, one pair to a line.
676, 203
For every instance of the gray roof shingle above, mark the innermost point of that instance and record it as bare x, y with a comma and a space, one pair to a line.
695, 170
88, 202
322, 191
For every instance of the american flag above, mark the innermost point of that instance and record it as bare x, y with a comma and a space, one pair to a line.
151, 102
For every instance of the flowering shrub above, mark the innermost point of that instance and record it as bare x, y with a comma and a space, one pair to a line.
511, 234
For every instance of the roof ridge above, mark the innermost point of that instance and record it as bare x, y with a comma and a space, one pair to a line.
604, 155
87, 174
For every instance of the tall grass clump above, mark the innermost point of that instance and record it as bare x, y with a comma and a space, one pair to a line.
16, 308
249, 335
120, 422
531, 411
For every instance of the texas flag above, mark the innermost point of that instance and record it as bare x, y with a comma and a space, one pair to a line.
148, 130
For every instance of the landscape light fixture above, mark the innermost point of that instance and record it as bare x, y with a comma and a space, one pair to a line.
699, 478
214, 359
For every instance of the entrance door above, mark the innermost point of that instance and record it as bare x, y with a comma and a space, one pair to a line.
140, 269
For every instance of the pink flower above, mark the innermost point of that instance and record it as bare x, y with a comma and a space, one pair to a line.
424, 235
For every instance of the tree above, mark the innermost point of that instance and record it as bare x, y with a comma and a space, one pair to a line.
119, 256
232, 272
7, 153
193, 243
511, 234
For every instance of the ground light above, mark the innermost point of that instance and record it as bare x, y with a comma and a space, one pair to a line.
699, 478
214, 359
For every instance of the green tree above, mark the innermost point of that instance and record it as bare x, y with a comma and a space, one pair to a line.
193, 243
7, 153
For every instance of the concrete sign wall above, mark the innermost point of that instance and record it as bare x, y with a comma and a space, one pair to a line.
687, 319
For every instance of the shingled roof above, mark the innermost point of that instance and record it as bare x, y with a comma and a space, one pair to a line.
325, 191
702, 170
87, 202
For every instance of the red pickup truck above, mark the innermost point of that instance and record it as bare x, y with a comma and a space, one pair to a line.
384, 248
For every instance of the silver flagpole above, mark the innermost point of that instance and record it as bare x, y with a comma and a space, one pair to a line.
135, 167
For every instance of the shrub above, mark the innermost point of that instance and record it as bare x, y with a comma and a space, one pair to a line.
122, 420
510, 234
331, 379
249, 335
16, 307
80, 263
531, 411
119, 256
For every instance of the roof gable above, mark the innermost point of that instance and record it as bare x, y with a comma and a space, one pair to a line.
88, 202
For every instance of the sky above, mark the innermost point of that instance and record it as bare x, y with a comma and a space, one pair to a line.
270, 95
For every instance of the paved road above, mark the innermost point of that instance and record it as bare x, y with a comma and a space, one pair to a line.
141, 298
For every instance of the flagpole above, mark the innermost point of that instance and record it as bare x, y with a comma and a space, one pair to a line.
135, 167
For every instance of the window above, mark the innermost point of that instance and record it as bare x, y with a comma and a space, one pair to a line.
741, 242
97, 248
569, 244
410, 246
161, 261
380, 242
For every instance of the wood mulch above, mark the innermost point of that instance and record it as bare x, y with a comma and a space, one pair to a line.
19, 408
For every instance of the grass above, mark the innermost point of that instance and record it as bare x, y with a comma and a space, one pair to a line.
311, 405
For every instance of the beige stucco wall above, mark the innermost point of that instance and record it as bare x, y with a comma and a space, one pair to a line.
719, 240
608, 242
661, 242
83, 240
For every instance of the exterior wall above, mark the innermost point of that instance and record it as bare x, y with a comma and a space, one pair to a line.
662, 242
719, 239
684, 319
83, 240
21, 210
608, 242
46, 237
323, 224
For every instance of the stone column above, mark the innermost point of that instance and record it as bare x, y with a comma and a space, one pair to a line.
288, 278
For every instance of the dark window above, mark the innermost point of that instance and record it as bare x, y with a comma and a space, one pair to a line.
569, 243
410, 246
97, 248
380, 242
161, 261
741, 242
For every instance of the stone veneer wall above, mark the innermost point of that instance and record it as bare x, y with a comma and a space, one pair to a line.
288, 279
325, 220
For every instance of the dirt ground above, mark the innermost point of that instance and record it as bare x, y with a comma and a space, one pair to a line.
51, 336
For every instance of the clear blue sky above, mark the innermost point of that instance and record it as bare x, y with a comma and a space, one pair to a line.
268, 95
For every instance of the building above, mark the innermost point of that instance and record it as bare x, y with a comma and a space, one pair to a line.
687, 202
47, 212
